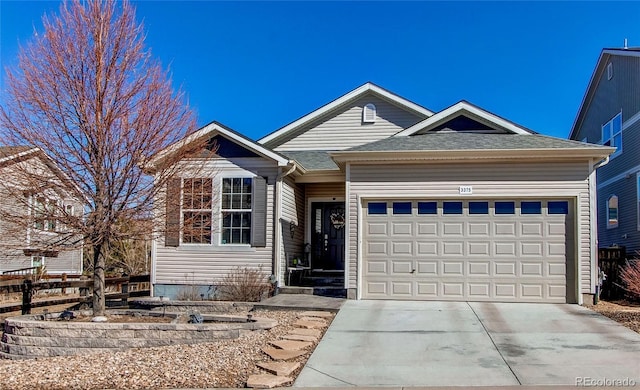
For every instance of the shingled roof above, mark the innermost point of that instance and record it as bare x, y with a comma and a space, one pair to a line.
312, 160
470, 141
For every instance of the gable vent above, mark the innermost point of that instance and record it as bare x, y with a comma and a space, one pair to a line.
369, 113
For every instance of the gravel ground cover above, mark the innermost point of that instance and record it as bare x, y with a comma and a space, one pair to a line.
624, 312
225, 363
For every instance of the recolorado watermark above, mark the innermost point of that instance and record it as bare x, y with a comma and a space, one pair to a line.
586, 381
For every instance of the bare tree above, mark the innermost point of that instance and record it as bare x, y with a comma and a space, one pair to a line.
88, 93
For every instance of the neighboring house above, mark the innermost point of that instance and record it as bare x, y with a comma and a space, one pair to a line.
406, 203
610, 115
29, 236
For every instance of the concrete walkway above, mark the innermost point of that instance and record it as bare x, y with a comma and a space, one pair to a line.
391, 343
301, 302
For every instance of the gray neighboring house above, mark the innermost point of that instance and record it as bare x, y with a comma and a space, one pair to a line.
610, 115
35, 241
402, 202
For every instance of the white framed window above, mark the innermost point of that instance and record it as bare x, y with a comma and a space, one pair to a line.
37, 261
44, 211
236, 210
369, 113
609, 71
197, 210
612, 212
612, 134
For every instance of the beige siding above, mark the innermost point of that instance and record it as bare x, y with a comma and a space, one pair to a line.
325, 190
293, 214
343, 128
208, 264
489, 180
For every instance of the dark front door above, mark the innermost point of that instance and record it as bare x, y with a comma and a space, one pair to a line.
327, 233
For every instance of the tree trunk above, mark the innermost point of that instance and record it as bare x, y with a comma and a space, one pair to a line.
99, 301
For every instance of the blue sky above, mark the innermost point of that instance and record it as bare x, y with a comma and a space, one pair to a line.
256, 66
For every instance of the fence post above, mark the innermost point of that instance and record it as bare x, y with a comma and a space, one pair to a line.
125, 290
84, 291
64, 279
27, 294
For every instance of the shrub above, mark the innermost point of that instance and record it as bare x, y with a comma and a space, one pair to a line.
245, 285
630, 276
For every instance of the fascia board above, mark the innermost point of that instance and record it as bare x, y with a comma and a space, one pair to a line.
457, 109
215, 127
471, 154
368, 87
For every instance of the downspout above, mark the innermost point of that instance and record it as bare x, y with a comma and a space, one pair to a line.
277, 247
593, 217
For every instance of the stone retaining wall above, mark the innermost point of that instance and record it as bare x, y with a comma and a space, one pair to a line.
31, 336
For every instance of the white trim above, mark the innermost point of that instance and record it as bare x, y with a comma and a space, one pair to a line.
215, 127
459, 109
622, 52
347, 234
359, 270
367, 87
610, 224
369, 113
277, 222
619, 176
609, 71
593, 235
17, 155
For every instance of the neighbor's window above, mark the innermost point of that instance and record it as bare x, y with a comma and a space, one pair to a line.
236, 210
197, 208
44, 214
37, 261
612, 211
612, 134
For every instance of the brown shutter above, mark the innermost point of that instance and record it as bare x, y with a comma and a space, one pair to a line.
172, 215
259, 212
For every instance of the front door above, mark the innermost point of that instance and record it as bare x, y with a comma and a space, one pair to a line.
327, 235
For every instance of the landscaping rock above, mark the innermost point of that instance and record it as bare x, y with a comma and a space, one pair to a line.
306, 332
300, 337
291, 345
319, 314
99, 319
279, 368
309, 324
282, 354
267, 381
314, 319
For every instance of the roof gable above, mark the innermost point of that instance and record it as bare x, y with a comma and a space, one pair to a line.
281, 135
240, 146
594, 81
464, 115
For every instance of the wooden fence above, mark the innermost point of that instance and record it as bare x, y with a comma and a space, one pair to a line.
126, 287
610, 261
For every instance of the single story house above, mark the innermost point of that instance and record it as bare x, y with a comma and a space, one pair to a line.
405, 203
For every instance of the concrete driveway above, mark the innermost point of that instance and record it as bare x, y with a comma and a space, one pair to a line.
392, 343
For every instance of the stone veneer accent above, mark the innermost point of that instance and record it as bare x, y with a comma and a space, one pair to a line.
31, 336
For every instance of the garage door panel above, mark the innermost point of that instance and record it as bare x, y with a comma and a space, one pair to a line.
479, 229
479, 268
377, 229
427, 268
452, 228
401, 248
455, 248
401, 229
401, 267
484, 256
452, 268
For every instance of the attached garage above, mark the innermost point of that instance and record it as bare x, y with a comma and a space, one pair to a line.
474, 250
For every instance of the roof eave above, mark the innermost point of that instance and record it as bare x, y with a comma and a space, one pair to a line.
342, 157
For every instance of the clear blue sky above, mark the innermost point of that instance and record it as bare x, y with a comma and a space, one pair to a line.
256, 66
